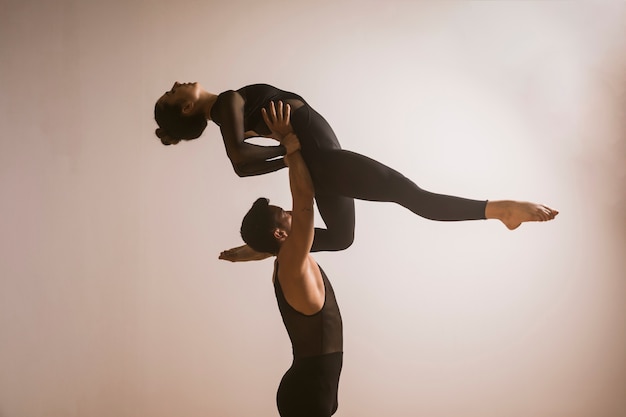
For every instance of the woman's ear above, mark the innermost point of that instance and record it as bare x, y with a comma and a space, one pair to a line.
188, 108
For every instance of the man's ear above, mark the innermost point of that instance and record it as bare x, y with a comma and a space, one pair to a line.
188, 108
280, 235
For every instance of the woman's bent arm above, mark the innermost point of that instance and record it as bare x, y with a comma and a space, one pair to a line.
247, 159
259, 167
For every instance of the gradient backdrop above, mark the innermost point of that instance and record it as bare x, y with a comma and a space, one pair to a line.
113, 301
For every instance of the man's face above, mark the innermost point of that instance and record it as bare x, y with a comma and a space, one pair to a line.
281, 217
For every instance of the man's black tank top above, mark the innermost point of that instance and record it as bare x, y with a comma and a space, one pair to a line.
315, 334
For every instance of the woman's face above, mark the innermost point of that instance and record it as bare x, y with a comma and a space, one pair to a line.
181, 94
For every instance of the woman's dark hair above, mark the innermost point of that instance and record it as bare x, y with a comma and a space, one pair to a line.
175, 125
257, 228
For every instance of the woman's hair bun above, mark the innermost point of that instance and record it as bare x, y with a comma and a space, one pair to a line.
161, 133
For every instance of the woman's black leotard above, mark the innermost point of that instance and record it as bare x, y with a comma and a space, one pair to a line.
309, 387
339, 176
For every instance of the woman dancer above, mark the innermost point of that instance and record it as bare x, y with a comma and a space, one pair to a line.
339, 176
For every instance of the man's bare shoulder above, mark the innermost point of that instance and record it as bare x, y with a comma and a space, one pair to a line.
302, 284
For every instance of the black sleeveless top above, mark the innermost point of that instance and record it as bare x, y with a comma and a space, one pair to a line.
315, 334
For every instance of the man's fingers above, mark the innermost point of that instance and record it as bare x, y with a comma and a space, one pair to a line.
283, 113
287, 113
280, 111
278, 116
273, 111
266, 118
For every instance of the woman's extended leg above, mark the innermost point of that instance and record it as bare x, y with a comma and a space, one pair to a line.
353, 175
341, 175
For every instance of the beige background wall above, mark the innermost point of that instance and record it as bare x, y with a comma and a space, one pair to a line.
113, 302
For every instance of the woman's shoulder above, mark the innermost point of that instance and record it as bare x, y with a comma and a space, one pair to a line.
247, 92
225, 102
257, 89
227, 95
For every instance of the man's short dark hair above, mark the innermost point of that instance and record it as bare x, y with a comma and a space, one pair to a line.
257, 227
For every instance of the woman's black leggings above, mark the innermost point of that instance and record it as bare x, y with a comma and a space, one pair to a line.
309, 388
340, 176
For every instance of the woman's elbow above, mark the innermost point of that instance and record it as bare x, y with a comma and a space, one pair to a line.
240, 173
242, 170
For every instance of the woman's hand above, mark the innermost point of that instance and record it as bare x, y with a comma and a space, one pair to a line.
243, 254
278, 121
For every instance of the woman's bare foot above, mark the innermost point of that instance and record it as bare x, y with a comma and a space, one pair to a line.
243, 254
514, 213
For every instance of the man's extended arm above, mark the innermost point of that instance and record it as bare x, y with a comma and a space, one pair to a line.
299, 274
300, 239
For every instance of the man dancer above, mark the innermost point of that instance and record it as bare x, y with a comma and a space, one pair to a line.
306, 299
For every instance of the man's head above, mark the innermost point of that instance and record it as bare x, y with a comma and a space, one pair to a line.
265, 227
